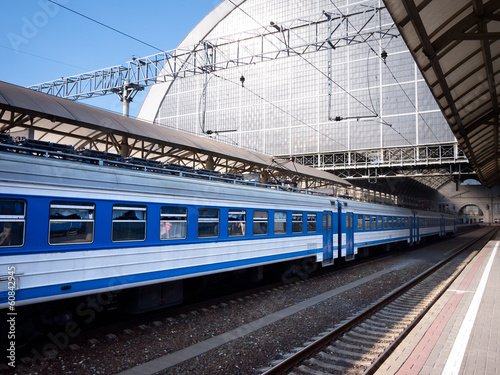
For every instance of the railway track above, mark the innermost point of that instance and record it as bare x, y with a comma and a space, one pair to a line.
360, 344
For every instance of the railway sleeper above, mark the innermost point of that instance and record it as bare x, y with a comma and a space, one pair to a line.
416, 303
419, 291
391, 320
307, 370
387, 334
364, 355
402, 307
323, 365
391, 312
330, 368
373, 350
396, 315
339, 360
405, 303
364, 343
408, 309
368, 338
344, 345
417, 295
375, 328
369, 328
374, 324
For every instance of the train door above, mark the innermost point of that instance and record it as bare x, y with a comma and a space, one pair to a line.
349, 240
417, 229
327, 238
412, 229
442, 228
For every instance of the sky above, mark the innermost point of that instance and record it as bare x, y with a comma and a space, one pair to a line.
40, 41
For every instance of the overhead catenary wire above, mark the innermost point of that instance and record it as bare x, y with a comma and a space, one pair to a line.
161, 50
306, 60
300, 55
44, 58
329, 78
395, 79
280, 109
107, 26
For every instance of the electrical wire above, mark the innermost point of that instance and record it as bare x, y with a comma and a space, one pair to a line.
280, 109
45, 58
329, 78
395, 79
306, 60
104, 25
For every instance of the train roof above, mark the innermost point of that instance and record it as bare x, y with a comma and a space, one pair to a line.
381, 209
63, 121
38, 175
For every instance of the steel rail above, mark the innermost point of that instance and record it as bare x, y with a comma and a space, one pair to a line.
306, 352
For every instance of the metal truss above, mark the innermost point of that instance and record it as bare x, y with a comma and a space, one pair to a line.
326, 31
433, 165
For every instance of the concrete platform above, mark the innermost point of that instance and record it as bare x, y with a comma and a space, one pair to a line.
461, 333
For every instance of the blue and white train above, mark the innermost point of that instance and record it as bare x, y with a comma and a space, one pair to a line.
78, 228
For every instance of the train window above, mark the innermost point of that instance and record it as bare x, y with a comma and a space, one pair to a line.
208, 222
129, 223
279, 222
379, 226
374, 222
236, 223
367, 222
399, 222
384, 219
173, 223
12, 222
327, 222
71, 222
389, 222
311, 223
297, 219
360, 222
260, 222
349, 225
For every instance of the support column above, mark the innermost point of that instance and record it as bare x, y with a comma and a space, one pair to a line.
209, 163
264, 177
124, 147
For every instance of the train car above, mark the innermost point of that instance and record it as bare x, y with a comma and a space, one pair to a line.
428, 223
77, 228
73, 226
364, 225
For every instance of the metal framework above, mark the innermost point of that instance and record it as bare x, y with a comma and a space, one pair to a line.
455, 44
433, 165
294, 37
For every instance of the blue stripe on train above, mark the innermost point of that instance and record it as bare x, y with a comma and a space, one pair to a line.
92, 285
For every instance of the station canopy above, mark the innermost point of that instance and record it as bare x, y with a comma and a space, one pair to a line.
52, 119
456, 45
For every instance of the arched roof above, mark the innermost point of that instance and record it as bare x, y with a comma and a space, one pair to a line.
456, 46
157, 92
